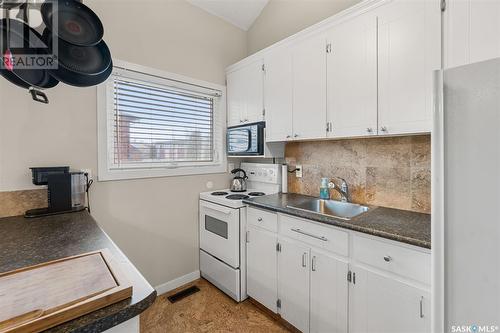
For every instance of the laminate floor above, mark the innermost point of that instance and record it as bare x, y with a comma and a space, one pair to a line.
208, 310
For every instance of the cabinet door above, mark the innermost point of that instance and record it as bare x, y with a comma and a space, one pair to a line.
471, 30
278, 95
409, 52
352, 78
245, 100
381, 304
329, 297
293, 283
262, 267
309, 88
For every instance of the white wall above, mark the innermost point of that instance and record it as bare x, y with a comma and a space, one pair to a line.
283, 18
154, 221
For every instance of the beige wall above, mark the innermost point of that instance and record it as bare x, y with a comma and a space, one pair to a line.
283, 18
154, 221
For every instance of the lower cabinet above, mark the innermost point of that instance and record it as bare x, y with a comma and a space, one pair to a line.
293, 285
329, 294
372, 288
312, 288
383, 304
262, 282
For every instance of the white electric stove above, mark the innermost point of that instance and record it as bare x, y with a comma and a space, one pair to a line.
222, 225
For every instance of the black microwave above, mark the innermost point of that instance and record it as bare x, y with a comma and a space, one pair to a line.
246, 140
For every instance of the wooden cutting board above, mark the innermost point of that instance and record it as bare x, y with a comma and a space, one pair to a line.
38, 297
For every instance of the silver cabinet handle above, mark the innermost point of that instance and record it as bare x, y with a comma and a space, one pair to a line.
295, 135
313, 264
288, 136
304, 259
383, 129
422, 307
369, 130
245, 120
259, 219
322, 238
247, 237
387, 258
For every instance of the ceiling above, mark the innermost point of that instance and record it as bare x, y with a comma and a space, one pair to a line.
241, 13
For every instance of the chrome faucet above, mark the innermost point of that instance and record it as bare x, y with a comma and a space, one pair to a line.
343, 189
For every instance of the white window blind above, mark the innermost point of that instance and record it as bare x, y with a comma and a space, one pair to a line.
155, 123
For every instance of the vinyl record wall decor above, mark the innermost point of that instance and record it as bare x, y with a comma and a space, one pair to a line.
68, 47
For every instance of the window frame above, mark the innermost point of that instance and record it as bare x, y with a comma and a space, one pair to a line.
152, 76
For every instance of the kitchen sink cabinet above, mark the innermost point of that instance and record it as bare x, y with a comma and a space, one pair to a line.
352, 78
329, 293
409, 44
245, 94
471, 30
362, 284
293, 284
262, 267
383, 304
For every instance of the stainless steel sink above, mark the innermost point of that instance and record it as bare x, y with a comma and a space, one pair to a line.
338, 209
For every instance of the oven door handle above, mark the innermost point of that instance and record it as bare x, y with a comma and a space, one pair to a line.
217, 208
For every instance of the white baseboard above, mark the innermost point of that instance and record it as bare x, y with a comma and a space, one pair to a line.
176, 283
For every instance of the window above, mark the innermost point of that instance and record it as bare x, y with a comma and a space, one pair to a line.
154, 124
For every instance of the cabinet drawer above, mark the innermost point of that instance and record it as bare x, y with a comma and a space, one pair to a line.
314, 234
263, 219
396, 259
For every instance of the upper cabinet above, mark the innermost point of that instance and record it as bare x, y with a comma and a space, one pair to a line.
409, 50
366, 73
471, 30
352, 78
245, 94
309, 87
278, 95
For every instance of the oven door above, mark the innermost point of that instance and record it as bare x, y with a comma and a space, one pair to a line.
220, 232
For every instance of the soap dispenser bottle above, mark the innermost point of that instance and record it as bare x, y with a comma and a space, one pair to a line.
324, 190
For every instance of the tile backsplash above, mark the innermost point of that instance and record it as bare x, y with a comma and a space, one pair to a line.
391, 172
15, 203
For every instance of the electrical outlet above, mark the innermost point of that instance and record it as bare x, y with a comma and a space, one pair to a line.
87, 171
298, 171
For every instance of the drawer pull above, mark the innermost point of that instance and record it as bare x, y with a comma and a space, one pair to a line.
387, 258
322, 238
304, 259
422, 307
259, 219
313, 264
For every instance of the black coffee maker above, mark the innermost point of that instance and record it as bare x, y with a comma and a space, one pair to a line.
65, 190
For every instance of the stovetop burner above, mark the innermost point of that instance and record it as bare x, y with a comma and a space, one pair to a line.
237, 197
256, 194
218, 193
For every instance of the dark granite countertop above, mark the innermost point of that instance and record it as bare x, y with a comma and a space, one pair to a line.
399, 225
25, 242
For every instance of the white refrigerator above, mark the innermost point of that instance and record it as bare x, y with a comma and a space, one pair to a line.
466, 199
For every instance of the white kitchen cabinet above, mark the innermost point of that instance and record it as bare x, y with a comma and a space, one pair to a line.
293, 285
309, 87
278, 95
262, 267
471, 30
245, 94
329, 294
352, 78
383, 304
409, 50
